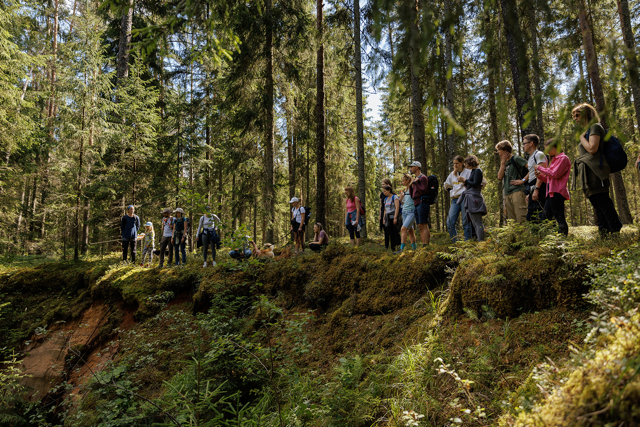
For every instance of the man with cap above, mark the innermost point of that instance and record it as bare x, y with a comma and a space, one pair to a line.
129, 226
419, 189
298, 215
165, 240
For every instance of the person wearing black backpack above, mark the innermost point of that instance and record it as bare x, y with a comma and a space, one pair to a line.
592, 169
512, 169
535, 188
298, 217
419, 189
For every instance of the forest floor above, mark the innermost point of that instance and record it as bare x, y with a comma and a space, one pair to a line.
472, 333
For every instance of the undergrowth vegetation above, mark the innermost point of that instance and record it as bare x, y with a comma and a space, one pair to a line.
467, 334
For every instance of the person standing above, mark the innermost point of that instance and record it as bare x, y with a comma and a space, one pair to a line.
537, 196
320, 238
352, 219
129, 226
592, 169
420, 194
382, 197
557, 177
148, 244
472, 198
180, 233
166, 239
408, 214
456, 188
298, 215
207, 230
512, 172
391, 218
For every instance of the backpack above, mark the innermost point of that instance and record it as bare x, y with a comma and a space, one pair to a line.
363, 211
432, 189
613, 151
307, 214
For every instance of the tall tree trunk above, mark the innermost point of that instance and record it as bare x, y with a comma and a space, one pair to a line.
320, 124
594, 73
76, 231
630, 53
362, 182
416, 90
535, 68
519, 64
448, 63
125, 42
291, 151
268, 146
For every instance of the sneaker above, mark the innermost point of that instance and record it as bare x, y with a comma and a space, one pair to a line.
213, 264
205, 264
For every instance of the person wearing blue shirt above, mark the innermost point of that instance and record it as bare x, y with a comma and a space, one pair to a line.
129, 227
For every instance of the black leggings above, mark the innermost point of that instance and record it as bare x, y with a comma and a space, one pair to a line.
391, 236
125, 247
554, 208
206, 244
353, 231
316, 247
608, 220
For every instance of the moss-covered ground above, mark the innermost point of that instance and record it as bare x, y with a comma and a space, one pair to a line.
473, 333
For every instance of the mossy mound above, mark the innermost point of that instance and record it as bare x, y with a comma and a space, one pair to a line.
603, 391
532, 280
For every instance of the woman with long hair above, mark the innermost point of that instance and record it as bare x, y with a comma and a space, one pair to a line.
352, 218
593, 170
556, 176
382, 197
320, 238
392, 218
472, 198
408, 214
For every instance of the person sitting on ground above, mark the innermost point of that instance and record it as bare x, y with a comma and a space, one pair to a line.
456, 188
557, 177
420, 194
206, 231
241, 250
148, 244
267, 252
511, 172
408, 214
180, 233
392, 218
352, 219
166, 240
129, 226
320, 238
385, 181
472, 198
298, 215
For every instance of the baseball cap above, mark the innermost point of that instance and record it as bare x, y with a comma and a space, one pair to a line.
416, 164
293, 200
149, 224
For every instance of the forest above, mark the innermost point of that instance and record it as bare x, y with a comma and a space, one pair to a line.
235, 109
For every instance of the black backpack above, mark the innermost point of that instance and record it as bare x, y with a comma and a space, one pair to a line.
433, 189
307, 214
613, 151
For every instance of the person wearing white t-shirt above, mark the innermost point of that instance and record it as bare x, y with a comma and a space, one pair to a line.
456, 189
298, 215
537, 196
166, 227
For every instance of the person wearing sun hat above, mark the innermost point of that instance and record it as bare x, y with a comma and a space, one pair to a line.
167, 237
129, 226
298, 214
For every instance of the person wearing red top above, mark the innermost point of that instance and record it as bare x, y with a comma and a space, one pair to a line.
419, 190
352, 218
556, 176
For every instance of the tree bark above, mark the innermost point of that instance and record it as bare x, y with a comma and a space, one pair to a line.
268, 155
535, 69
320, 124
416, 91
291, 149
362, 182
519, 64
124, 45
448, 63
594, 73
630, 53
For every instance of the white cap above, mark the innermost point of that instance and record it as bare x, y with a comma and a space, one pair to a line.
149, 224
294, 200
416, 164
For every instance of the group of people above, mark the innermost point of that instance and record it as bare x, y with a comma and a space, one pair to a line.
534, 189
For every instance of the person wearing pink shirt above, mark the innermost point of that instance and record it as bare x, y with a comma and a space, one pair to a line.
556, 176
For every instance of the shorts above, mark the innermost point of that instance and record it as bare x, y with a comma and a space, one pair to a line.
296, 229
409, 220
422, 213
